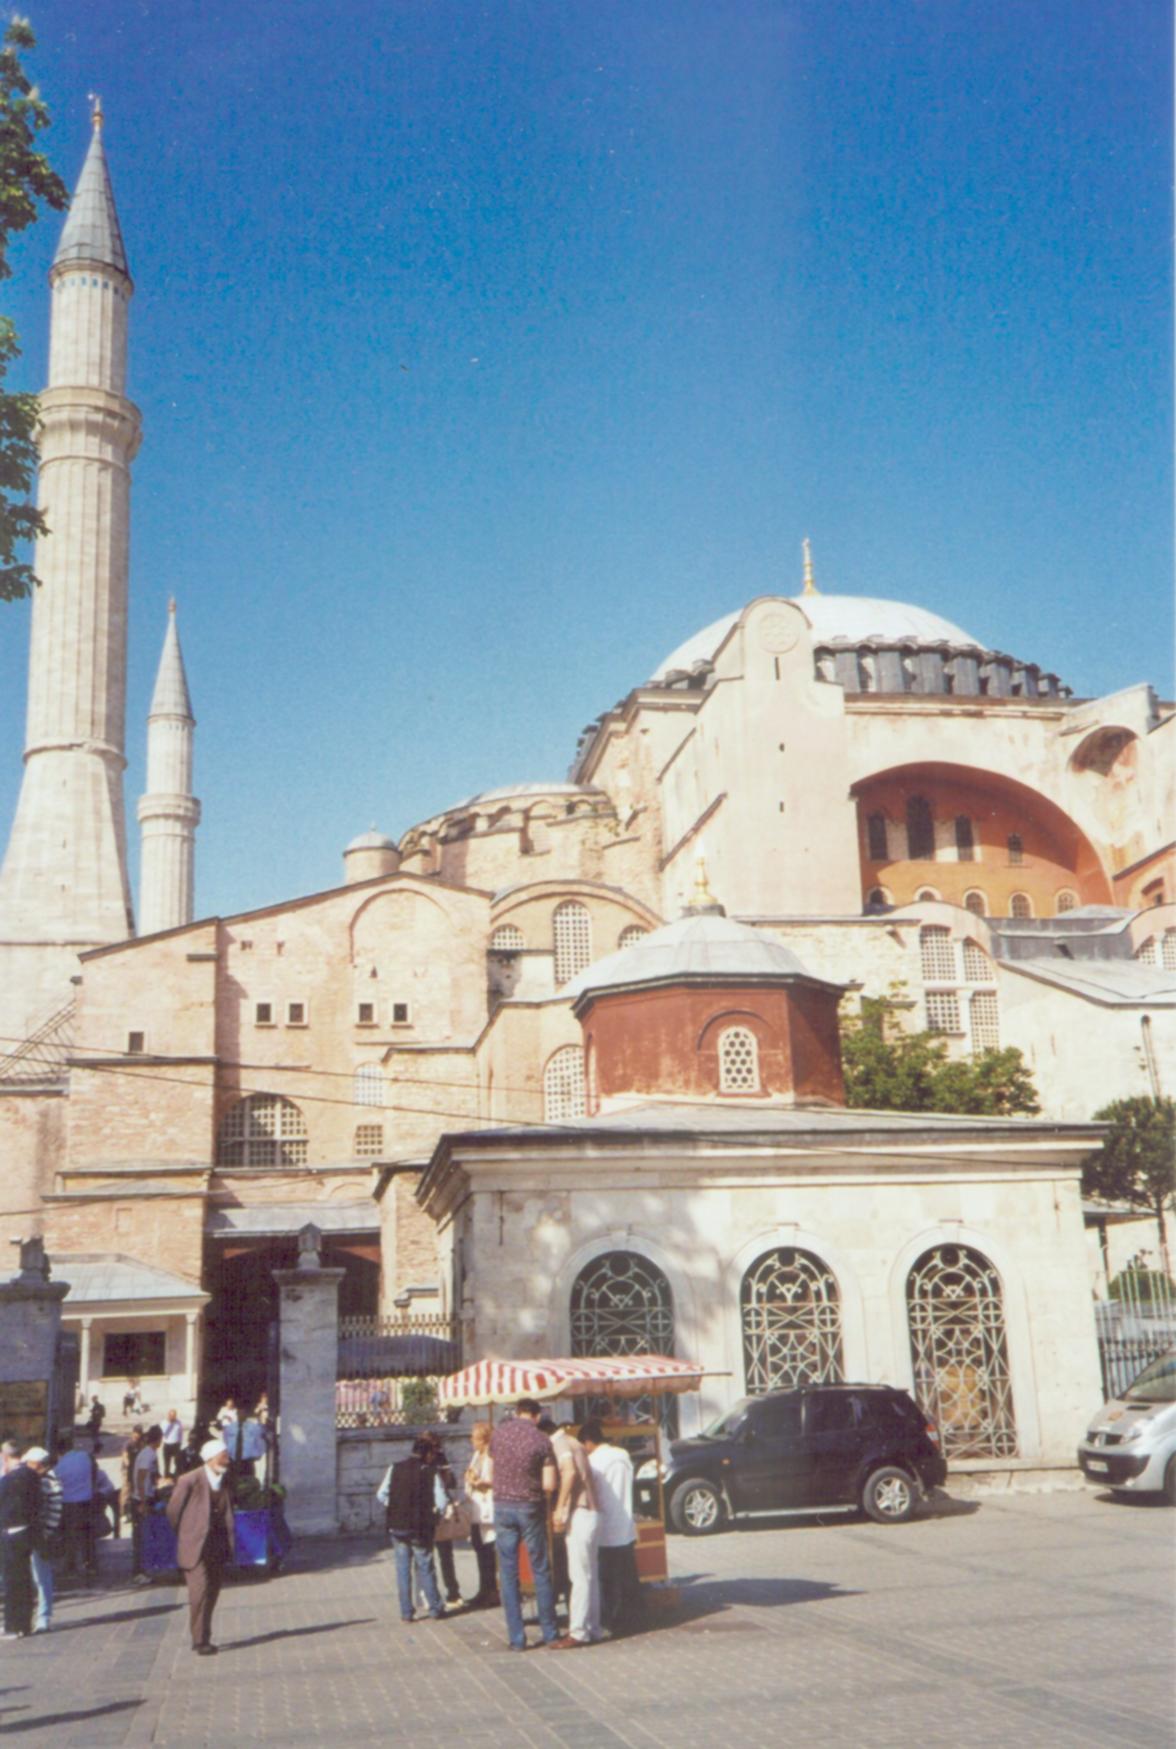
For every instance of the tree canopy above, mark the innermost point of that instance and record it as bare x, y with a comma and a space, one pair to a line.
1137, 1161
26, 179
889, 1069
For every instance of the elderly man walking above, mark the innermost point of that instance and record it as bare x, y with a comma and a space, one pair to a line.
524, 1471
200, 1512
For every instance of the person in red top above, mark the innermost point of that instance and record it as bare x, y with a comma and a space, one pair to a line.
524, 1473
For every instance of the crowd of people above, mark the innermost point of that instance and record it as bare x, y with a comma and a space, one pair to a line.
525, 1478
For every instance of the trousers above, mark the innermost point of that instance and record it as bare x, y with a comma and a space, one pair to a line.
43, 1585
583, 1572
204, 1587
621, 1603
16, 1566
517, 1521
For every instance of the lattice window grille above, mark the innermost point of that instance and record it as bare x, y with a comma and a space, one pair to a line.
738, 1061
977, 965
955, 1311
943, 1011
369, 1141
1149, 953
631, 935
507, 938
572, 940
985, 1017
621, 1303
262, 1130
367, 1085
791, 1318
937, 954
563, 1085
1169, 951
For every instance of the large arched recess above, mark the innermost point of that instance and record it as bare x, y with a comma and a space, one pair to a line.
1055, 853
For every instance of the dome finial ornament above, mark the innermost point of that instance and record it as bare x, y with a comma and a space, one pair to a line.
97, 115
702, 901
810, 587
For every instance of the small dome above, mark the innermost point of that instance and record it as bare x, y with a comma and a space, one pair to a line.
371, 840
702, 946
852, 617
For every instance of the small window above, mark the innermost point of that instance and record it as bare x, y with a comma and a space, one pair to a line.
943, 1011
401, 1014
629, 936
135, 1044
263, 1013
738, 1061
1169, 950
926, 895
507, 939
563, 1085
920, 830
367, 1084
877, 848
1020, 906
1149, 952
1016, 849
937, 955
571, 940
1066, 901
965, 843
369, 1140
245, 946
137, 1354
365, 1014
878, 896
977, 965
985, 1017
296, 1014
975, 902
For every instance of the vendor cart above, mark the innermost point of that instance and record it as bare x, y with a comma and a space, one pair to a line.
619, 1381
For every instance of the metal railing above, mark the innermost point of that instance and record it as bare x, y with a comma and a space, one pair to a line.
1135, 1327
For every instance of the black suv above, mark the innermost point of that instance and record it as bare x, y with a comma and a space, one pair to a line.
823, 1448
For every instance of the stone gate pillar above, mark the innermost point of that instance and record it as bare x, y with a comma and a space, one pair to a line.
308, 1336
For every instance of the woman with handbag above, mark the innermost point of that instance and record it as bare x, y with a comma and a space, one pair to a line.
479, 1487
453, 1524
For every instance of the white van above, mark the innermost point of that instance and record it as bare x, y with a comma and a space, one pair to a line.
1130, 1446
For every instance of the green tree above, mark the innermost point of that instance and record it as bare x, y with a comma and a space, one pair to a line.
25, 179
1137, 1161
890, 1069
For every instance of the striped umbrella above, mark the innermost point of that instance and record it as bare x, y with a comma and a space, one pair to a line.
505, 1381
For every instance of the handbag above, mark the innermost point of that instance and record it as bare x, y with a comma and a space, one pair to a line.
453, 1525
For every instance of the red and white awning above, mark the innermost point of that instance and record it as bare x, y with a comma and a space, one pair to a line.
505, 1381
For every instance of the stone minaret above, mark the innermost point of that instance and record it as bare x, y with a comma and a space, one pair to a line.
64, 882
169, 813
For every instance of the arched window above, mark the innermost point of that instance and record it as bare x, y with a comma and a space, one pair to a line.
1020, 905
369, 1141
1016, 848
1149, 951
955, 1311
965, 843
926, 895
738, 1061
877, 846
563, 1085
262, 1130
621, 1303
976, 902
920, 830
633, 932
878, 896
791, 1316
977, 965
937, 954
572, 939
507, 939
367, 1085
1065, 901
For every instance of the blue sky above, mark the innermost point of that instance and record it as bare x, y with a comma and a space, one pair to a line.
487, 351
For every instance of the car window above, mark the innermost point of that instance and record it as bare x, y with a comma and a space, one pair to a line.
777, 1420
835, 1413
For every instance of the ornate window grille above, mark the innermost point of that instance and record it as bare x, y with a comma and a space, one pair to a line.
572, 939
621, 1303
985, 1017
937, 954
632, 933
943, 1011
791, 1315
367, 1085
507, 938
369, 1141
1019, 905
975, 902
738, 1061
563, 1085
955, 1310
262, 1130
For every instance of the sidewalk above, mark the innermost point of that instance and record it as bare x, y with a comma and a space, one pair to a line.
1043, 1620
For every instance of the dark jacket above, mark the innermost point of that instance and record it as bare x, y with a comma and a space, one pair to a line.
411, 1510
20, 1498
193, 1511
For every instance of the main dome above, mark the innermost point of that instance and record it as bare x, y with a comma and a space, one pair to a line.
852, 617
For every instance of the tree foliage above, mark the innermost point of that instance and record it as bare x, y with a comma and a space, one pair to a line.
889, 1069
1137, 1161
26, 178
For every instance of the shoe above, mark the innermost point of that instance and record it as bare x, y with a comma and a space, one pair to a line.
511, 1647
566, 1643
206, 1651
42, 1629
437, 1615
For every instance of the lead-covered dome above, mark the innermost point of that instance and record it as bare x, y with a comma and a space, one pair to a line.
706, 946
854, 618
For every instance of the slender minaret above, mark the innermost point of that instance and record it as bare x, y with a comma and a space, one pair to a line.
64, 882
169, 813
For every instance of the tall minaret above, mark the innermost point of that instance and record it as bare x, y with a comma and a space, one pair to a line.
64, 882
169, 813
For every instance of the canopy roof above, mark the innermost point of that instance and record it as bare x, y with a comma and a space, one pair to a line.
505, 1381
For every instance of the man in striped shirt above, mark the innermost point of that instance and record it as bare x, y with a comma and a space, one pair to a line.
45, 1536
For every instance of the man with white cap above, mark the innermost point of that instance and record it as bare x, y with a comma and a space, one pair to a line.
201, 1514
45, 1536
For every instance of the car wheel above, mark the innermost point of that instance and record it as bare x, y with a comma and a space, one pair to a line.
697, 1508
890, 1496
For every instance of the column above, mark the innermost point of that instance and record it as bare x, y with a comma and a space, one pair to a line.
84, 1360
308, 1363
190, 1319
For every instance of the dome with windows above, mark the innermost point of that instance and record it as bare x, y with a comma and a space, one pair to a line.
855, 618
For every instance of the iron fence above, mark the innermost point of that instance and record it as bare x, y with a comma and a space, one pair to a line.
1135, 1327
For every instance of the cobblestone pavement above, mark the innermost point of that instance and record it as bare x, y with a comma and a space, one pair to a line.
1044, 1620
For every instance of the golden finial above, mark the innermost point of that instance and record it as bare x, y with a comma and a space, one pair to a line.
702, 897
810, 587
171, 604
96, 113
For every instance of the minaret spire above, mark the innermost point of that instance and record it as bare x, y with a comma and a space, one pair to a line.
169, 813
64, 884
810, 587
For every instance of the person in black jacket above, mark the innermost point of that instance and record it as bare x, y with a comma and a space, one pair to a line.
20, 1503
415, 1496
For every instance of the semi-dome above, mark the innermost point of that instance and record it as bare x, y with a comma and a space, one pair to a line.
855, 618
707, 946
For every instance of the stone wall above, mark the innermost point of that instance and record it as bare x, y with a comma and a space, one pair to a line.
363, 1455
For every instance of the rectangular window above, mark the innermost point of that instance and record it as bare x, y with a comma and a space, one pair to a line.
965, 843
977, 965
296, 1014
401, 1014
134, 1355
943, 1011
876, 832
1016, 849
263, 1014
365, 1014
985, 1021
135, 1044
369, 1141
937, 955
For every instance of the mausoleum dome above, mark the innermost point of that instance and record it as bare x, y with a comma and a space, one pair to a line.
706, 946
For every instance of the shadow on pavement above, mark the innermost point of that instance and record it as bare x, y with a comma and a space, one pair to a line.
1134, 1502
710, 1597
942, 1505
43, 1720
325, 1627
93, 1621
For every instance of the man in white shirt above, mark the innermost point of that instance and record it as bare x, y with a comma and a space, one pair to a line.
620, 1588
173, 1439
